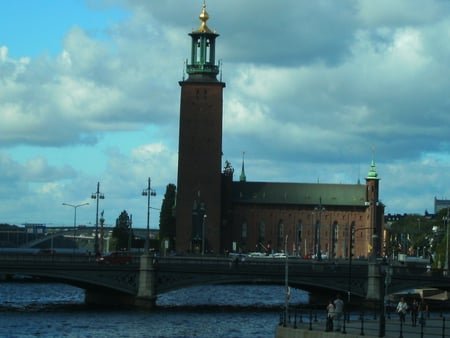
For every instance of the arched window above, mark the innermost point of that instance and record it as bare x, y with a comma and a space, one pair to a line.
262, 232
280, 234
244, 231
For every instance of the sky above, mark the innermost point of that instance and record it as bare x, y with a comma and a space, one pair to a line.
315, 90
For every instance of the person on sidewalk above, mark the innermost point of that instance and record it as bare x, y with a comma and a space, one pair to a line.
330, 316
338, 312
422, 312
414, 311
402, 308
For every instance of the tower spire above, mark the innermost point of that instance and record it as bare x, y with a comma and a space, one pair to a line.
202, 64
204, 16
242, 177
372, 174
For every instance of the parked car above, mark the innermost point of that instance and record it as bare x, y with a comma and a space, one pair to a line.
45, 252
256, 254
237, 256
116, 257
323, 256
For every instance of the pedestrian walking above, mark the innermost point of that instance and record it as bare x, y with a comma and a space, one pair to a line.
414, 311
330, 316
422, 312
402, 308
338, 312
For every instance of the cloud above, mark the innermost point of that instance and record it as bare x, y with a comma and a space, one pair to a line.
315, 89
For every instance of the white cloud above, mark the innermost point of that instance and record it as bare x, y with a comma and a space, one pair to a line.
311, 88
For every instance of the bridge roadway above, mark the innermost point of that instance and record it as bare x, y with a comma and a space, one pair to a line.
147, 276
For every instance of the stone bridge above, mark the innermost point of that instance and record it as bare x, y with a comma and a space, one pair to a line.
139, 283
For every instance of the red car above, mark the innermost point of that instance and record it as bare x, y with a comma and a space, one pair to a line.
116, 257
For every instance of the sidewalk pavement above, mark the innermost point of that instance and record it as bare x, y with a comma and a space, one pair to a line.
435, 326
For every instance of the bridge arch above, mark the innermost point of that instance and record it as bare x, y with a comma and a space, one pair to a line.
130, 282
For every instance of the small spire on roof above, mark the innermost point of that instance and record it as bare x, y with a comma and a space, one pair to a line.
372, 174
243, 178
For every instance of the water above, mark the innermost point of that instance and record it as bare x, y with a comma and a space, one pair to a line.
58, 310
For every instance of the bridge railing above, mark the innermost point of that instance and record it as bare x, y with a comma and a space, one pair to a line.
62, 258
428, 325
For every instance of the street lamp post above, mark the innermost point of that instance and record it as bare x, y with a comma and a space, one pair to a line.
286, 282
130, 232
75, 207
385, 280
446, 219
203, 234
97, 196
318, 229
314, 230
351, 233
148, 192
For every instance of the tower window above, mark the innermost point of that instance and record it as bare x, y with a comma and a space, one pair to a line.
244, 231
208, 51
261, 231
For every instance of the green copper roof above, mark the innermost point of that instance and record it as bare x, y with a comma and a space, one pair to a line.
299, 193
372, 174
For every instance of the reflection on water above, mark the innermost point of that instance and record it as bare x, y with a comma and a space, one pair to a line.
257, 296
58, 310
29, 295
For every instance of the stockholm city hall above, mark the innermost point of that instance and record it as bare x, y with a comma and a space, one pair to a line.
217, 215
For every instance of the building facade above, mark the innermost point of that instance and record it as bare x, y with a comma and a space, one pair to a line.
215, 214
440, 204
308, 219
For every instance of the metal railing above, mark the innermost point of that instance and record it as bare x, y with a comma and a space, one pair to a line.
368, 323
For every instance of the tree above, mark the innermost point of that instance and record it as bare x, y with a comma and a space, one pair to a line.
411, 234
167, 230
442, 221
121, 232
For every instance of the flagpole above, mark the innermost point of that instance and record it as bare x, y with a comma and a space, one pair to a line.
286, 284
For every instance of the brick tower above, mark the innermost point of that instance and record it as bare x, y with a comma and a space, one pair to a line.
376, 211
198, 202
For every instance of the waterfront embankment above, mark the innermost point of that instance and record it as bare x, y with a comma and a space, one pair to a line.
436, 325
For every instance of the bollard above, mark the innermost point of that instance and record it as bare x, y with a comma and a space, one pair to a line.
443, 327
362, 326
295, 319
343, 328
422, 324
310, 320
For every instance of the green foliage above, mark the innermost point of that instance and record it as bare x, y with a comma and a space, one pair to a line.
121, 232
440, 236
419, 235
409, 233
166, 217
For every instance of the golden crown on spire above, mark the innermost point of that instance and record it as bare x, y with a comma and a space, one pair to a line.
204, 16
